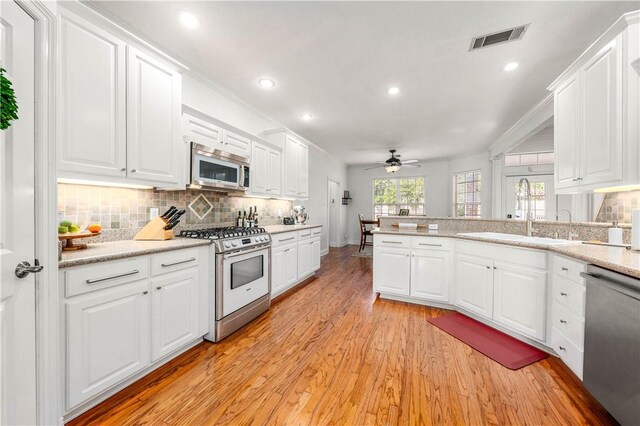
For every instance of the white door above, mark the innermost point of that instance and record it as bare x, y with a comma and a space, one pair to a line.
107, 339
291, 167
274, 166
174, 311
91, 101
259, 169
153, 120
291, 265
601, 148
391, 270
567, 134
520, 299
543, 206
303, 171
474, 284
335, 203
430, 274
278, 282
315, 254
17, 224
304, 259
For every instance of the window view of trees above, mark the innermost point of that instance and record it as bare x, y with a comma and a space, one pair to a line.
391, 195
467, 194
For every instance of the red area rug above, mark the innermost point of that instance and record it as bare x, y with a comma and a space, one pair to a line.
495, 344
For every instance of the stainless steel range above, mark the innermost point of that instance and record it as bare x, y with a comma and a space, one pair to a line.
242, 276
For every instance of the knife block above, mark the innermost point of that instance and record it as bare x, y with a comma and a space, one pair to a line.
154, 231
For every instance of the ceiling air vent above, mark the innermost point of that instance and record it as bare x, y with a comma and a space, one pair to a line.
512, 34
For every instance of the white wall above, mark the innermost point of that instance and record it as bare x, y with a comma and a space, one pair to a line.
215, 102
438, 187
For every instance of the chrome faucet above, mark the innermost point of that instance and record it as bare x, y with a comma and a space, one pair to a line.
529, 227
571, 234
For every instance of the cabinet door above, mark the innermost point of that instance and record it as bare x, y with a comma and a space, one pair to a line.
153, 120
304, 259
274, 165
391, 270
520, 299
566, 135
278, 270
91, 100
259, 169
474, 284
291, 265
107, 339
303, 171
236, 144
430, 274
291, 167
201, 131
315, 254
601, 135
174, 311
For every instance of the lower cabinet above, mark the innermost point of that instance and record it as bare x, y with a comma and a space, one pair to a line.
519, 298
107, 339
174, 311
284, 268
304, 259
430, 275
315, 254
295, 256
391, 270
474, 284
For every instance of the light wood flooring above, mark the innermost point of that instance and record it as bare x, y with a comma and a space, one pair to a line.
331, 353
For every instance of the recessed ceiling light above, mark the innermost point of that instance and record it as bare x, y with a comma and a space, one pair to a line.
266, 83
511, 66
306, 116
393, 90
188, 20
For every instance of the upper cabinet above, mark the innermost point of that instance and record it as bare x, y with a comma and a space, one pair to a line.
296, 162
266, 169
596, 113
118, 106
200, 128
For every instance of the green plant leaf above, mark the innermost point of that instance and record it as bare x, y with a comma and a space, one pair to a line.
8, 103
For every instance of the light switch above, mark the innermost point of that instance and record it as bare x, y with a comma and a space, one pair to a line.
433, 227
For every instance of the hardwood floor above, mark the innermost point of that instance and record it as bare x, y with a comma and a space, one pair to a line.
331, 352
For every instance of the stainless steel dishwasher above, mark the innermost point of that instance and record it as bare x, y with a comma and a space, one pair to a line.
612, 343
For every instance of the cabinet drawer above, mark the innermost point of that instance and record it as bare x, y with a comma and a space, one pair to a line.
569, 269
431, 243
569, 295
174, 261
305, 234
104, 275
519, 256
571, 325
284, 238
398, 241
567, 351
316, 232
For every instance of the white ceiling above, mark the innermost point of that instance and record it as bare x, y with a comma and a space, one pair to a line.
337, 59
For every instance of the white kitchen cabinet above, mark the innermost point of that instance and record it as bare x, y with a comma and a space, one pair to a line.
291, 167
236, 144
278, 282
315, 254
596, 110
304, 259
474, 284
174, 311
303, 171
107, 339
201, 131
291, 265
391, 270
295, 164
519, 298
266, 170
91, 100
154, 130
430, 274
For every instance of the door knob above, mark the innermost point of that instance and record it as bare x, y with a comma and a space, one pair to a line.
24, 268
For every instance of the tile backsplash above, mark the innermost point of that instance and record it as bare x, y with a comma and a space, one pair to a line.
123, 211
618, 206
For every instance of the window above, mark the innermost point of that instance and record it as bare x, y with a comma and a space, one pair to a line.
467, 192
532, 159
391, 195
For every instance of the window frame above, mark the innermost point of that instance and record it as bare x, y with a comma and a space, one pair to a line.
455, 203
373, 194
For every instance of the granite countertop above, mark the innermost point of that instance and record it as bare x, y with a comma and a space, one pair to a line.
277, 229
617, 259
102, 252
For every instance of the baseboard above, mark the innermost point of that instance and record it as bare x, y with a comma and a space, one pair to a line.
324, 252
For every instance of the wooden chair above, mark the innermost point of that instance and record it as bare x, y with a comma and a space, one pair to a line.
364, 232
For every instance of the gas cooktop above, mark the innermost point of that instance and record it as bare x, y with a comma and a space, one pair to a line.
220, 233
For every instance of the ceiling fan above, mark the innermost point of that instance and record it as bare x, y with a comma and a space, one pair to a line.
394, 163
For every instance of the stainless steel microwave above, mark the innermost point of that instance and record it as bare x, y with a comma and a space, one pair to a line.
213, 169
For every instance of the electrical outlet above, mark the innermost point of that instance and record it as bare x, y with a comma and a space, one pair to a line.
433, 227
153, 213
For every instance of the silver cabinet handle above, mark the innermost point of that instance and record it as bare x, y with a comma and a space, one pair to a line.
133, 170
166, 265
561, 348
495, 267
145, 292
392, 242
287, 239
562, 293
124, 169
564, 268
159, 288
305, 235
562, 321
488, 267
430, 245
98, 280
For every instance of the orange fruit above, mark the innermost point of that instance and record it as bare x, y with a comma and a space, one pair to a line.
95, 228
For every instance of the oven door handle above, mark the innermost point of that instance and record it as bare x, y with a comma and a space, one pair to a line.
242, 253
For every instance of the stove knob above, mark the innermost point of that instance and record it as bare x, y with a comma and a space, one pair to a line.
227, 244
234, 243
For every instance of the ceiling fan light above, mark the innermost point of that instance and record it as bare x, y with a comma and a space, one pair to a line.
392, 168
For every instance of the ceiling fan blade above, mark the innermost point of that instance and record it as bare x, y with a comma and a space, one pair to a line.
409, 161
375, 167
417, 166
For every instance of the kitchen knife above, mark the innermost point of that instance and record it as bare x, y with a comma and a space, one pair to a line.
174, 219
166, 215
172, 225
